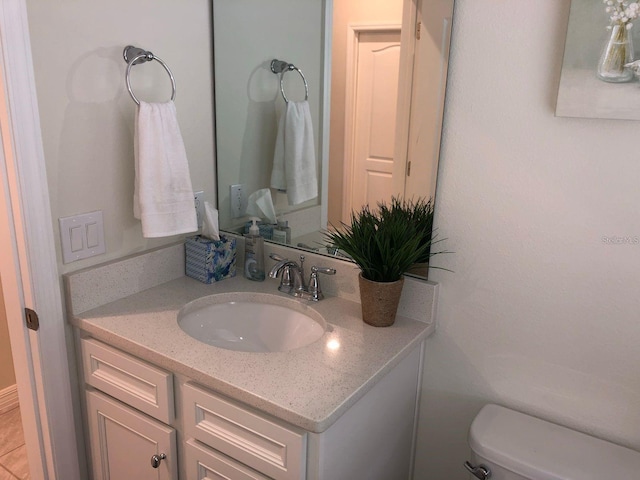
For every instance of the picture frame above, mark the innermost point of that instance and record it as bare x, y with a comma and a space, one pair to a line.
581, 92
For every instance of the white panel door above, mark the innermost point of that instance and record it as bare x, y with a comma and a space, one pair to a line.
377, 69
124, 440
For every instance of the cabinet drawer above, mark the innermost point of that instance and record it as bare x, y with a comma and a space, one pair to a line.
136, 383
204, 463
265, 445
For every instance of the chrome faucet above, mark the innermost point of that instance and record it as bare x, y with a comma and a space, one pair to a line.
291, 274
292, 278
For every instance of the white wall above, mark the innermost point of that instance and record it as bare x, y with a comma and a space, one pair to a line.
541, 314
87, 115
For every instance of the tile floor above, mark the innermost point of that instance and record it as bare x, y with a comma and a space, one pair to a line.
13, 453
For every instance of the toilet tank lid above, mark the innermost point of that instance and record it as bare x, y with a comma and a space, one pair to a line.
535, 448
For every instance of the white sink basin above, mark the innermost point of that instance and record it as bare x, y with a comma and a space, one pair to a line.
251, 322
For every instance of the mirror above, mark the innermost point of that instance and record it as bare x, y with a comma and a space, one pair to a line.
368, 64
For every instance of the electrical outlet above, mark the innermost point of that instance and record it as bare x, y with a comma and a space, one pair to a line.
198, 198
238, 199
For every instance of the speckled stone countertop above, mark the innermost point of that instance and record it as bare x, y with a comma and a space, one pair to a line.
310, 387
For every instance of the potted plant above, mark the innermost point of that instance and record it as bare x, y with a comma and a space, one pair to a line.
384, 244
418, 213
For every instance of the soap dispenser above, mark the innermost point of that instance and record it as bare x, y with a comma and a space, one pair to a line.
254, 253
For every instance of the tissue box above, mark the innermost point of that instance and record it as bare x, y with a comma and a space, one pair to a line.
210, 260
266, 229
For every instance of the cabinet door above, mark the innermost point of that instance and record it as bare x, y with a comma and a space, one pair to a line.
123, 442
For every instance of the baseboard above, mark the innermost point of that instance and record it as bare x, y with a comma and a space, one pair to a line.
8, 399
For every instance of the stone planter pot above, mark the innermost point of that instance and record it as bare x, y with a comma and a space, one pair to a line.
379, 301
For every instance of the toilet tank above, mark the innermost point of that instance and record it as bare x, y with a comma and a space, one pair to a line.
516, 446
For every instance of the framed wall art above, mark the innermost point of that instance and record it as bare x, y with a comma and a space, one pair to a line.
600, 70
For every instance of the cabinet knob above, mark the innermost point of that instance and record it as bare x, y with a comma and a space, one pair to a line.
156, 459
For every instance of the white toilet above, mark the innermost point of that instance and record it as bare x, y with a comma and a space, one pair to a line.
508, 445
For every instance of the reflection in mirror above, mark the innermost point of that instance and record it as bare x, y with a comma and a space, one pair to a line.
248, 35
371, 63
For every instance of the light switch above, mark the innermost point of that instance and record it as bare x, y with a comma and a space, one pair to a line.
92, 235
76, 239
82, 236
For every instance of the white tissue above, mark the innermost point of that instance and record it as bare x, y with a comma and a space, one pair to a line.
260, 204
210, 227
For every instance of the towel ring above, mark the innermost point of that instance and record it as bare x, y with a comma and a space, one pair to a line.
134, 56
282, 67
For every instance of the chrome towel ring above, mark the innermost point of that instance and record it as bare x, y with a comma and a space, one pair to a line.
282, 67
134, 56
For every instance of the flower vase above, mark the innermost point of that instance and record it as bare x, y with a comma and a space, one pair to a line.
617, 53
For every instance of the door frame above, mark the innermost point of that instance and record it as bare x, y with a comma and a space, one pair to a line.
405, 92
353, 40
29, 267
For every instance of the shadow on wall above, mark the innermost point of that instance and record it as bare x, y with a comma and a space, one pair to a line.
536, 386
259, 136
448, 410
96, 141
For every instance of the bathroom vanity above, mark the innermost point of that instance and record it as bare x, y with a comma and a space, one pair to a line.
161, 404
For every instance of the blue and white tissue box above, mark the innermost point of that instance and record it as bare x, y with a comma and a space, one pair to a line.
266, 229
210, 260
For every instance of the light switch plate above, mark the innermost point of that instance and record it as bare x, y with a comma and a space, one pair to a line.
82, 236
238, 199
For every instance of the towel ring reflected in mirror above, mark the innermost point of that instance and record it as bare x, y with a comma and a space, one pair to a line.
282, 67
134, 56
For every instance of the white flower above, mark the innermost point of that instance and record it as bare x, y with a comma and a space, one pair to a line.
622, 11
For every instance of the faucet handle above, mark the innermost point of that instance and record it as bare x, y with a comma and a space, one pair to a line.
325, 270
314, 289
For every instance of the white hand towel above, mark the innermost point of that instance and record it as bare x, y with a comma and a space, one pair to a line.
163, 196
295, 152
278, 178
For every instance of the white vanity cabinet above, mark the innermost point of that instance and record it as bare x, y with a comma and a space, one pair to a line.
132, 419
126, 442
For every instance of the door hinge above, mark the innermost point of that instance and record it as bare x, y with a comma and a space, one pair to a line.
418, 29
32, 319
409, 168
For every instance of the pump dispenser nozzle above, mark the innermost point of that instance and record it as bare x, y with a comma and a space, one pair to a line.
254, 229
